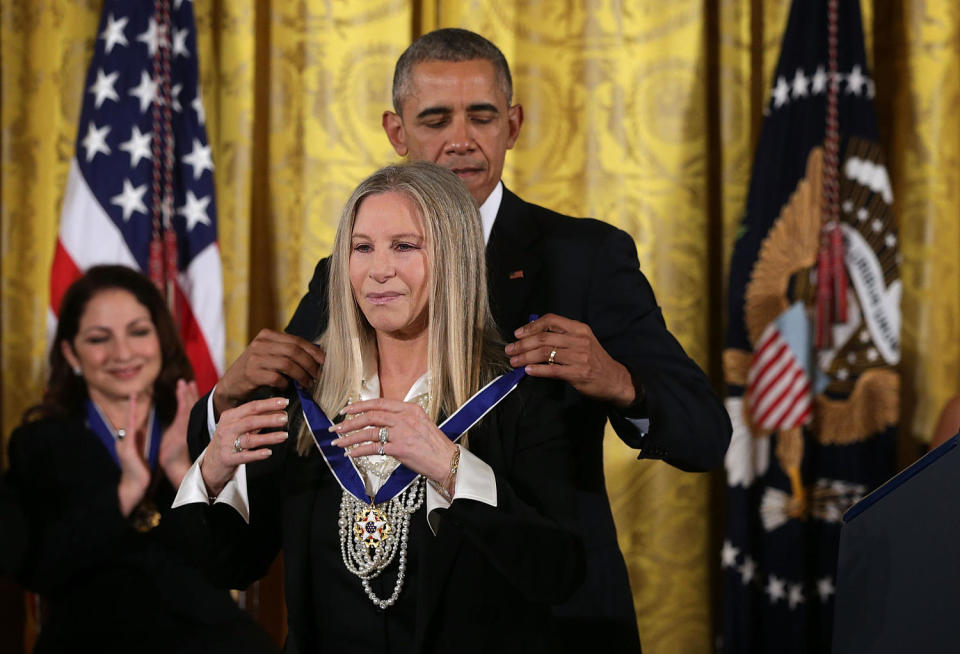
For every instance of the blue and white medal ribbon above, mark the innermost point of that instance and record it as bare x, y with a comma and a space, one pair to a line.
344, 468
98, 423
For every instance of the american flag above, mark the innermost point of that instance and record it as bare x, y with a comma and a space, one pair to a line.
778, 389
140, 188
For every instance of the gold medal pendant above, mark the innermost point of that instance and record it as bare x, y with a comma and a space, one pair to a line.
145, 517
371, 527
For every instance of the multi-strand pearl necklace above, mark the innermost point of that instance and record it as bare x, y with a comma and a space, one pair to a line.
371, 535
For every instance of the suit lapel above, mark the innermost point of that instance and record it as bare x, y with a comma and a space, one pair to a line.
513, 263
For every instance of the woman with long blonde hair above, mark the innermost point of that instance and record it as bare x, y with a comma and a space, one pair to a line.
399, 535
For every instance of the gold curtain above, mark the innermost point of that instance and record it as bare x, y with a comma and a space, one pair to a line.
644, 114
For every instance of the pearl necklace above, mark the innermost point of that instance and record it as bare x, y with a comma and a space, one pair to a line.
379, 531
374, 544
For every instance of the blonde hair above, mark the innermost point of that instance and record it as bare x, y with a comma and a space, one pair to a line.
464, 349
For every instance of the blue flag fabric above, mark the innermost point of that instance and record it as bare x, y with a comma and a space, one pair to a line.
813, 428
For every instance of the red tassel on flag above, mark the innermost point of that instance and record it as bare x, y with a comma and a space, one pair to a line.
170, 264
839, 275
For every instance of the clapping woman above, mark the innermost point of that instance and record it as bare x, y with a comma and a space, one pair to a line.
95, 465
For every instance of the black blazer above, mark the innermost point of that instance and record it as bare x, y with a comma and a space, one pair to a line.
483, 583
107, 587
587, 270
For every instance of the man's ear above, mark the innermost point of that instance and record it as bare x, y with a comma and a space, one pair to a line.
515, 121
393, 126
69, 355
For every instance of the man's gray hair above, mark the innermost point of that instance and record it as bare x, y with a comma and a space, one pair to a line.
448, 44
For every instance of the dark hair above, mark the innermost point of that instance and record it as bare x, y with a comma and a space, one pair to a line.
66, 392
448, 44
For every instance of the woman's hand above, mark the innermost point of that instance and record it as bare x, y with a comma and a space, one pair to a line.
411, 436
174, 457
134, 473
238, 427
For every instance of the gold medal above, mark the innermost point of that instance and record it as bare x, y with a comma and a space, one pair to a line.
371, 527
145, 517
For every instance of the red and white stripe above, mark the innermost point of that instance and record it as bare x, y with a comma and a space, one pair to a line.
778, 392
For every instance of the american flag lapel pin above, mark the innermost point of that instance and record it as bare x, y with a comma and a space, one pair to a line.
516, 274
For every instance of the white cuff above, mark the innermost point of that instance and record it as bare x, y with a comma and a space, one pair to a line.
193, 490
475, 481
211, 423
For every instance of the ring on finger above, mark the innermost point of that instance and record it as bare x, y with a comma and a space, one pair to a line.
380, 450
553, 354
382, 436
236, 445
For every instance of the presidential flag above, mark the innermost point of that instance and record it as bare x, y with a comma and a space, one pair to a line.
140, 186
813, 342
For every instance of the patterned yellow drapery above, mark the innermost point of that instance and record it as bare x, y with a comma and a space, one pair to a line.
644, 114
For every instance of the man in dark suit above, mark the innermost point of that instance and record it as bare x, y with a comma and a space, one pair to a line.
600, 329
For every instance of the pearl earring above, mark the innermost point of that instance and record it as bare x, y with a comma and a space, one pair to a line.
77, 371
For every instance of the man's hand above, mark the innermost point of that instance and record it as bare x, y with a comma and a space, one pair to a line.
578, 358
267, 361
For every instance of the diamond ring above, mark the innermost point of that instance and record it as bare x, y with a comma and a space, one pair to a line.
382, 436
236, 445
553, 354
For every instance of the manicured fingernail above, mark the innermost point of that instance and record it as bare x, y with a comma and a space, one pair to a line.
514, 361
333, 428
519, 332
335, 441
282, 402
283, 418
509, 349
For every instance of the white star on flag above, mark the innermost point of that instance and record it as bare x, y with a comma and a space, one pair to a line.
197, 105
776, 588
795, 597
180, 42
113, 34
103, 88
825, 588
800, 83
154, 36
146, 91
96, 140
819, 81
130, 200
200, 159
175, 97
138, 146
728, 555
747, 570
855, 80
781, 93
195, 211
